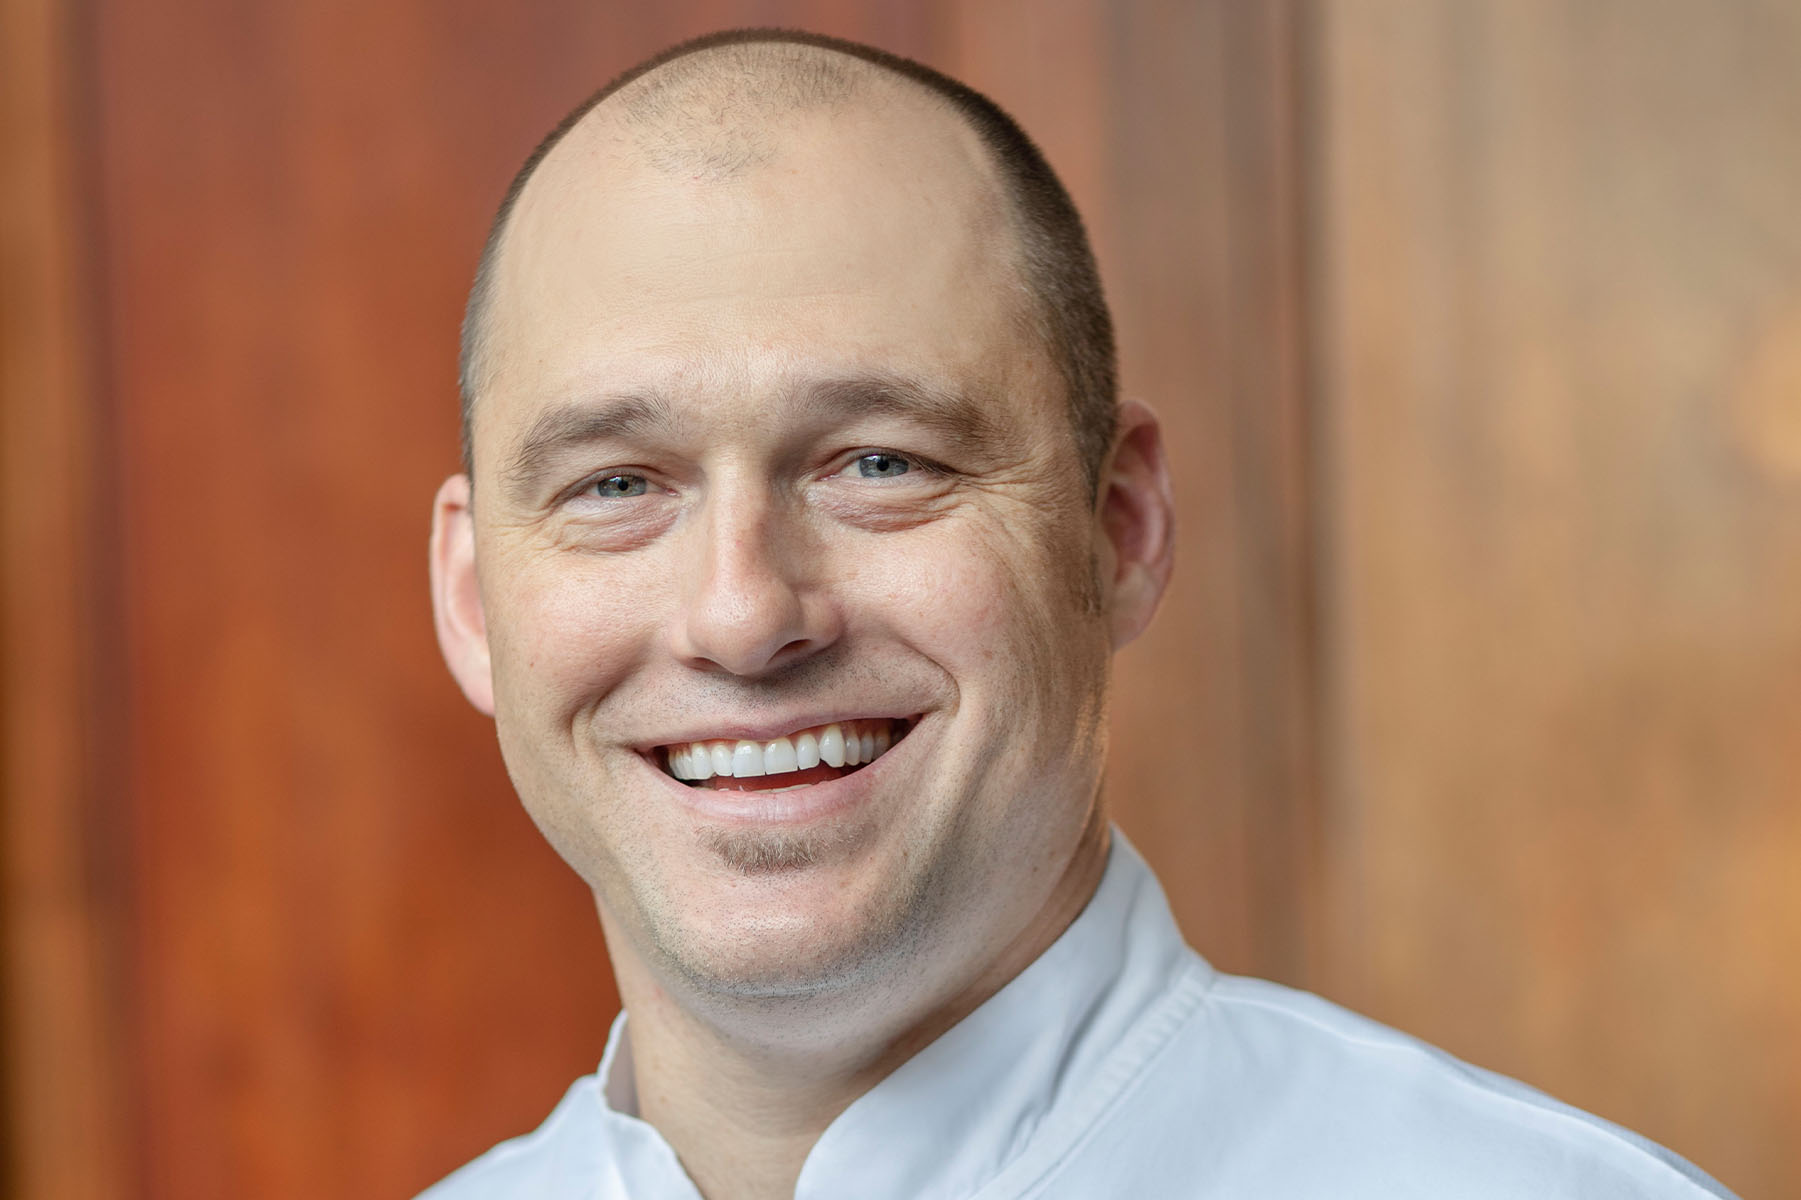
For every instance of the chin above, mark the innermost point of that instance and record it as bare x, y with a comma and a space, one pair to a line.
795, 931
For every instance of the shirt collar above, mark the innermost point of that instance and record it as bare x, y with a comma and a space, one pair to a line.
957, 1113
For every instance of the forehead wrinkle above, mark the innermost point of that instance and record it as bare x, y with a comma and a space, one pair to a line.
581, 423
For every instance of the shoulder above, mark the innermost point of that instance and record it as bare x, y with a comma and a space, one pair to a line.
1284, 1093
553, 1162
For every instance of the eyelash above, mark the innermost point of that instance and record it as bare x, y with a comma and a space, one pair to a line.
915, 463
587, 489
643, 484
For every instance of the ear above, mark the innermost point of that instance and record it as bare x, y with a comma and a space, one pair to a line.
456, 597
1136, 519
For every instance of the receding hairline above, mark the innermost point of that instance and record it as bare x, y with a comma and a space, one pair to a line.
655, 98
820, 71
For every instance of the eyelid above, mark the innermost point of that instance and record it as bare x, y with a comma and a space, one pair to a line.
586, 483
922, 466
919, 462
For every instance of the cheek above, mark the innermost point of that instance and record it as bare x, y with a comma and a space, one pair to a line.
564, 631
564, 635
1008, 611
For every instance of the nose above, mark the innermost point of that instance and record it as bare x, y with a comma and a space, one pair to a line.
753, 604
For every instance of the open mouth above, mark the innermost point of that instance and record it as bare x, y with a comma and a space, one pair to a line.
801, 758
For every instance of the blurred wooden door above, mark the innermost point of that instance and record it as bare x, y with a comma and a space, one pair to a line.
1558, 346
1471, 706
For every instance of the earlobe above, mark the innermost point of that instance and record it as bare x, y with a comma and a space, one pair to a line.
456, 593
1137, 522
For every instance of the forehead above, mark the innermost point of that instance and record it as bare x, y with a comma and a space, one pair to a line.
865, 237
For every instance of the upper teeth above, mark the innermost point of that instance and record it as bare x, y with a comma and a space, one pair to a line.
842, 744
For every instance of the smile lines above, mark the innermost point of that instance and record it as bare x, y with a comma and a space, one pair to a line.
840, 744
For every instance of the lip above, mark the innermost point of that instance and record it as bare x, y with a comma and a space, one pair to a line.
794, 806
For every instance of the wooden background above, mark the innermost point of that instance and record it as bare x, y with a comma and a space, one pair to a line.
1476, 704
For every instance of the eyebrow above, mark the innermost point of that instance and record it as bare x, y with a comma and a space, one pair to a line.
578, 424
957, 416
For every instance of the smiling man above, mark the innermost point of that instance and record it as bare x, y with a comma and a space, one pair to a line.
799, 525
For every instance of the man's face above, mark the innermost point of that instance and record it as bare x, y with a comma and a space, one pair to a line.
764, 455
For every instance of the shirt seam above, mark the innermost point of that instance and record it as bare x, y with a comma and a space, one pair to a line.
1026, 1175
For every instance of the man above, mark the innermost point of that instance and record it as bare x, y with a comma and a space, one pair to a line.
799, 525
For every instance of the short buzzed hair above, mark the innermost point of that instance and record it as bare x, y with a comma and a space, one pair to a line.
1069, 311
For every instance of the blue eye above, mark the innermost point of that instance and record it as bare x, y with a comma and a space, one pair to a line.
620, 487
882, 466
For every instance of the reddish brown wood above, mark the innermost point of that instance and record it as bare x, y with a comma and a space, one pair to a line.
64, 1100
1275, 483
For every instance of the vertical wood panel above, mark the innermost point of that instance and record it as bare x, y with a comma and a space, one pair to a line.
63, 1099
1212, 768
1273, 495
1561, 286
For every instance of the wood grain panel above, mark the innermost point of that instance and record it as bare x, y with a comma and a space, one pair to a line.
64, 1099
1560, 358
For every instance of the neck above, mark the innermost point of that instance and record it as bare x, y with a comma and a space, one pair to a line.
743, 1110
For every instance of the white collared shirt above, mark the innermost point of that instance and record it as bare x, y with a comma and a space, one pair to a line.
1119, 1064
